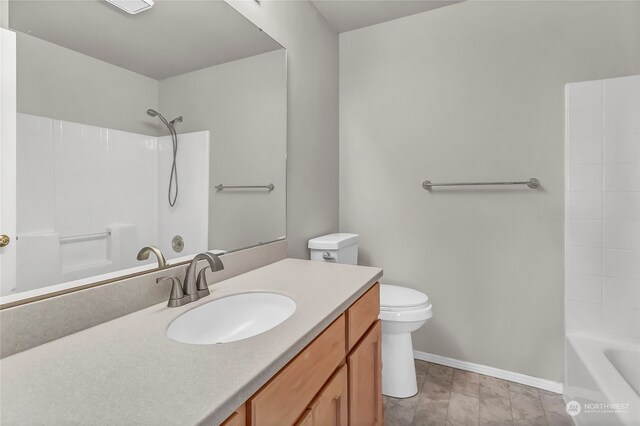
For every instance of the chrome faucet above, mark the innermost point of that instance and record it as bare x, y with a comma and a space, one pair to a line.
194, 287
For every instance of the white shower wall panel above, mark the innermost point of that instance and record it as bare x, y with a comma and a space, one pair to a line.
189, 218
78, 180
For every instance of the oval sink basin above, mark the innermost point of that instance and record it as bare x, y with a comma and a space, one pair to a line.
231, 318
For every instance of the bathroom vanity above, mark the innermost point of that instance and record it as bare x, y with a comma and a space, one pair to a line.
317, 387
321, 366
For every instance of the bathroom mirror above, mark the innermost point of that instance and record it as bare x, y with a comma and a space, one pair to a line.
163, 128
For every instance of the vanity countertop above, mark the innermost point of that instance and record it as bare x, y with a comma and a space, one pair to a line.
127, 371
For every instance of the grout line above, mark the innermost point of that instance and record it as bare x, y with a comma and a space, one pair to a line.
446, 418
544, 412
510, 403
419, 395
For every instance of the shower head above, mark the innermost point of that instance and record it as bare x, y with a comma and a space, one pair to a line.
173, 177
169, 124
154, 113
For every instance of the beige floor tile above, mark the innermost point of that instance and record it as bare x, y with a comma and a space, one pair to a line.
437, 382
400, 412
495, 410
466, 383
452, 397
463, 410
555, 419
492, 387
431, 412
526, 407
552, 402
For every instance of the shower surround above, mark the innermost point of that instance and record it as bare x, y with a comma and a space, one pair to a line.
89, 198
602, 250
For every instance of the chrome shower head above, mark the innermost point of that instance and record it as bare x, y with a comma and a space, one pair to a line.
152, 112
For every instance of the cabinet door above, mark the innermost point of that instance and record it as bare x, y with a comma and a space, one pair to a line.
306, 419
329, 408
365, 379
281, 401
238, 418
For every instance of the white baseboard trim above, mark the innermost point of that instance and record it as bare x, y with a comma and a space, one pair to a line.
511, 376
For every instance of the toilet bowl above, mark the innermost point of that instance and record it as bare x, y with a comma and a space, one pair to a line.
402, 311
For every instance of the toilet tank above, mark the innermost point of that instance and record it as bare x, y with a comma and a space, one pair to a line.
338, 248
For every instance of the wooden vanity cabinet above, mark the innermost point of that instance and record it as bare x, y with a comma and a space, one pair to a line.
238, 418
364, 364
334, 381
288, 394
329, 407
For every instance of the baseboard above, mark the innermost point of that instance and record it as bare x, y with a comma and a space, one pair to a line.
511, 376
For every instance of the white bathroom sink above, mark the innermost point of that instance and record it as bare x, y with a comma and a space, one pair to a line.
231, 318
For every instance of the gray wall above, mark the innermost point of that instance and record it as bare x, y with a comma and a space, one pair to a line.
312, 128
243, 104
60, 83
473, 92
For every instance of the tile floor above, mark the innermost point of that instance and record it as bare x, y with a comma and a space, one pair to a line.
451, 397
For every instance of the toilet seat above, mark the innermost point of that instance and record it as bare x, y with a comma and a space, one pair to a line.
402, 304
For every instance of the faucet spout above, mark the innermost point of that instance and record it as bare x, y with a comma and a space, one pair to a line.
144, 255
191, 289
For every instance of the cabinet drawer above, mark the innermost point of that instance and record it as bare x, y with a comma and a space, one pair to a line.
362, 314
287, 395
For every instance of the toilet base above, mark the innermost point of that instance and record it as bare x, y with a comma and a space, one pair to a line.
398, 366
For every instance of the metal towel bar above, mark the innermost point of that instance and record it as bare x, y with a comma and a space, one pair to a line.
532, 183
84, 237
221, 187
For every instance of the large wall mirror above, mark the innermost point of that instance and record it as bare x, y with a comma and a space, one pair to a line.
134, 129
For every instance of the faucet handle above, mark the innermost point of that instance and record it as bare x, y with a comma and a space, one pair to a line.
177, 294
201, 282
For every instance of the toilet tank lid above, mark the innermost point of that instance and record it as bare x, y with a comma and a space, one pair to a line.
333, 241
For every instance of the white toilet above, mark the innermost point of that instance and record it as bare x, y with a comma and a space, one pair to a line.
402, 311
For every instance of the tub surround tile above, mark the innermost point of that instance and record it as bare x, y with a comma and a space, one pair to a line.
584, 288
582, 316
584, 233
621, 149
602, 244
588, 94
621, 292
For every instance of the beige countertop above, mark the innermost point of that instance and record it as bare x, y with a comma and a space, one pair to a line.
127, 371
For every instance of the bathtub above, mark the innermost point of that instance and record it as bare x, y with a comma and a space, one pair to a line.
603, 375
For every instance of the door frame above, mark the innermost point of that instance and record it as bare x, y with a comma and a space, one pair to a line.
8, 110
